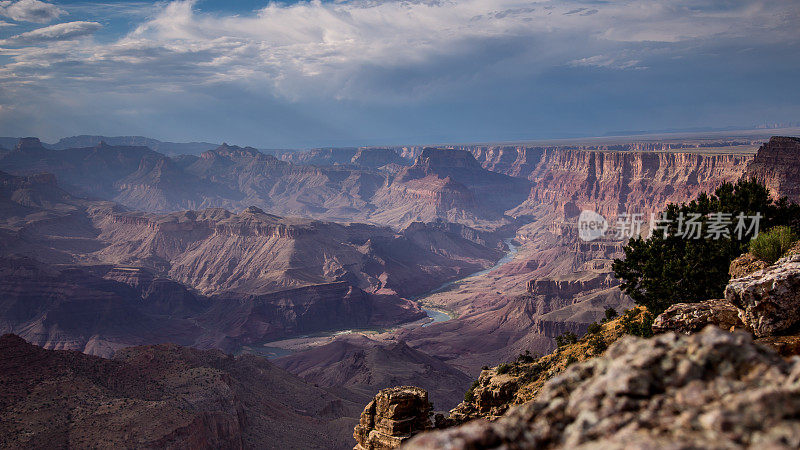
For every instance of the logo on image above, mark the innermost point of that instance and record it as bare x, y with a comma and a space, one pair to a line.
591, 225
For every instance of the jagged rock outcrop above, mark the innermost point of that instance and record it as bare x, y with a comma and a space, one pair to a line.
769, 300
745, 265
392, 417
688, 318
709, 390
777, 166
521, 380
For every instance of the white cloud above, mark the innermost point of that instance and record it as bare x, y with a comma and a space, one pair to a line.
386, 51
30, 11
57, 32
606, 62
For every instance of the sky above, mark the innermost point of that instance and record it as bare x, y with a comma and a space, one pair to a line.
384, 72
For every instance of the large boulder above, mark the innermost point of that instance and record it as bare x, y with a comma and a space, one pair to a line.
392, 417
688, 318
769, 299
713, 389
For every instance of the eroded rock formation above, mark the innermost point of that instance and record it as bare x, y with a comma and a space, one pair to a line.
363, 366
393, 417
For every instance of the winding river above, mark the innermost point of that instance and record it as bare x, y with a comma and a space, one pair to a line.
441, 316
285, 347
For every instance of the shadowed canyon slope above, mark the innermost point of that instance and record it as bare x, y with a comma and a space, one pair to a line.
364, 366
162, 396
776, 166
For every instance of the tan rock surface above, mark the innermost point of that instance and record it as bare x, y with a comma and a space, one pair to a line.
769, 300
688, 318
392, 417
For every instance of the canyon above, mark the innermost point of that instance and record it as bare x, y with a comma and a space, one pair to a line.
107, 247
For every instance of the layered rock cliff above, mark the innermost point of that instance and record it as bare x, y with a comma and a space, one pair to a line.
215, 250
615, 182
776, 166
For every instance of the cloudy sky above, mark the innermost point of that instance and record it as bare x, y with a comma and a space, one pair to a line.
371, 72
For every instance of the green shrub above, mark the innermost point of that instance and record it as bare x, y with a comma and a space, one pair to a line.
532, 371
638, 327
566, 339
660, 271
772, 244
525, 357
611, 313
469, 396
598, 344
594, 328
503, 368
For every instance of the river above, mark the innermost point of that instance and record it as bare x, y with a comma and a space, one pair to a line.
285, 347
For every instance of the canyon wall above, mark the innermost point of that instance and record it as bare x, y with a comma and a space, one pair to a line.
776, 165
615, 182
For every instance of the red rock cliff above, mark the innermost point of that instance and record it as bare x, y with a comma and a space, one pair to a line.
777, 165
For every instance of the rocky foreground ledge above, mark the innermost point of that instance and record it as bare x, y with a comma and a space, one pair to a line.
713, 389
715, 377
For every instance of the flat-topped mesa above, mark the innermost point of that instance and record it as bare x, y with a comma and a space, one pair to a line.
442, 162
393, 417
29, 144
447, 158
777, 166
